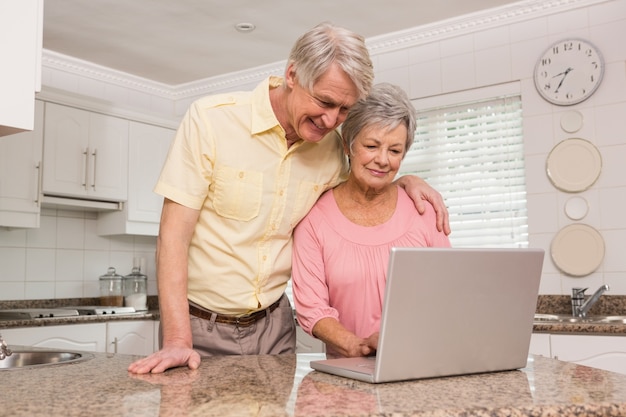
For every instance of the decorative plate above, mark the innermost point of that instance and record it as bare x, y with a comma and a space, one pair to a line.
576, 208
571, 121
574, 165
577, 249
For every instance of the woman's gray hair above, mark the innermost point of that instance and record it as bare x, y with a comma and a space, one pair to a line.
326, 44
387, 106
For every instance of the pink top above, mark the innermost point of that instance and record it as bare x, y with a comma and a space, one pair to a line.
340, 268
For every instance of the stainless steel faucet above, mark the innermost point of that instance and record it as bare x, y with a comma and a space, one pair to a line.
580, 307
4, 349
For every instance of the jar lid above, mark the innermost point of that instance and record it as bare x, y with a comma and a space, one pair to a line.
111, 274
136, 274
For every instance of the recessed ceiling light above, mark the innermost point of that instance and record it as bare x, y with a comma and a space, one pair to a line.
245, 27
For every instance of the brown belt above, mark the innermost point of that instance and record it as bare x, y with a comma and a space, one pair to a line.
242, 321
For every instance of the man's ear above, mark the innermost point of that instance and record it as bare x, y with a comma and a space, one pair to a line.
290, 76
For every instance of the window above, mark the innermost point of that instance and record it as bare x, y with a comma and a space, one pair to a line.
473, 155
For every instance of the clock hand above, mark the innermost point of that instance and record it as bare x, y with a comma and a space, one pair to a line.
564, 74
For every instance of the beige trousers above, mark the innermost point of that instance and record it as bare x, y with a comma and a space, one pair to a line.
271, 335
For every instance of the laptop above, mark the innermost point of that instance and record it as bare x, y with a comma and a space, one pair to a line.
450, 311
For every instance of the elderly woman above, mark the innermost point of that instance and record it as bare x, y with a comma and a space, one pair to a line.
341, 248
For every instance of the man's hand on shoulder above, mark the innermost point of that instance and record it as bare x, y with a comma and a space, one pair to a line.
420, 192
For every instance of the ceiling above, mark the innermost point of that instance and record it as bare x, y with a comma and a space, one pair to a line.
182, 41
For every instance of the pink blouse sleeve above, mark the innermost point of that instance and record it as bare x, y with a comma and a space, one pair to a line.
310, 291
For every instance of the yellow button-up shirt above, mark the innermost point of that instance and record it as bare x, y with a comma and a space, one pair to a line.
230, 161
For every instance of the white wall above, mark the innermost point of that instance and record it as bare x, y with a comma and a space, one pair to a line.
464, 54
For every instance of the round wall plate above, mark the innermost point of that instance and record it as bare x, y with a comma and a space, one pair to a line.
574, 165
571, 121
577, 249
576, 208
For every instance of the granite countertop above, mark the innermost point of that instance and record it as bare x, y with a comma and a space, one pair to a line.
151, 314
546, 304
607, 305
284, 385
58, 321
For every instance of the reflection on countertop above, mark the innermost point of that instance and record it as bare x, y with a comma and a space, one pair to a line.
284, 385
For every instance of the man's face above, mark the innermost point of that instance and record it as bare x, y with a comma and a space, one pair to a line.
313, 114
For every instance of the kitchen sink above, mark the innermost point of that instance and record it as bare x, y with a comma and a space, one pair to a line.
28, 359
566, 318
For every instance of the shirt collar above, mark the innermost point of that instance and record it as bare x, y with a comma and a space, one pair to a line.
263, 117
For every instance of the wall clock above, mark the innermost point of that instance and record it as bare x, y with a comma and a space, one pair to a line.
569, 71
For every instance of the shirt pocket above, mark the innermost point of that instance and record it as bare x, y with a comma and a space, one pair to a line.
238, 193
306, 195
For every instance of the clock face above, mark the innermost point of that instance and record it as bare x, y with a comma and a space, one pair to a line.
569, 71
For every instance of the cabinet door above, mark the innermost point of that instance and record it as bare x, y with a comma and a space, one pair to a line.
148, 147
604, 352
130, 337
540, 344
157, 337
85, 337
66, 151
108, 157
306, 343
147, 151
20, 175
21, 28
85, 154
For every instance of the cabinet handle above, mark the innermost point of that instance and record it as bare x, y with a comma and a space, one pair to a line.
114, 343
95, 155
39, 180
85, 167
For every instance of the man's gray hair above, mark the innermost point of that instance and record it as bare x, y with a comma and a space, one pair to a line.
316, 50
386, 106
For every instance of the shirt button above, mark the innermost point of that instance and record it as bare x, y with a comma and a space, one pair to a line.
241, 175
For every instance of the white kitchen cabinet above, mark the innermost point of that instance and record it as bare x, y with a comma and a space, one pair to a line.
604, 352
85, 154
306, 343
540, 344
20, 175
21, 29
130, 337
148, 147
157, 339
85, 337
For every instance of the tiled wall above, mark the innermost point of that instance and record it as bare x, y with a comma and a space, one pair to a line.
65, 257
464, 56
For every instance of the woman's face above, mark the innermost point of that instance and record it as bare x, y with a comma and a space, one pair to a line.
376, 155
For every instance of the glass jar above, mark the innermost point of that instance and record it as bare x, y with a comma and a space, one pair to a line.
135, 290
111, 289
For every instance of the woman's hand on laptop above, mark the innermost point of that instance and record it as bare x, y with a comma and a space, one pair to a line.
370, 345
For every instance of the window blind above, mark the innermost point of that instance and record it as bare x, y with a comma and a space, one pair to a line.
473, 155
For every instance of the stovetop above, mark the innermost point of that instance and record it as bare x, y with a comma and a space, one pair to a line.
36, 313
103, 310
